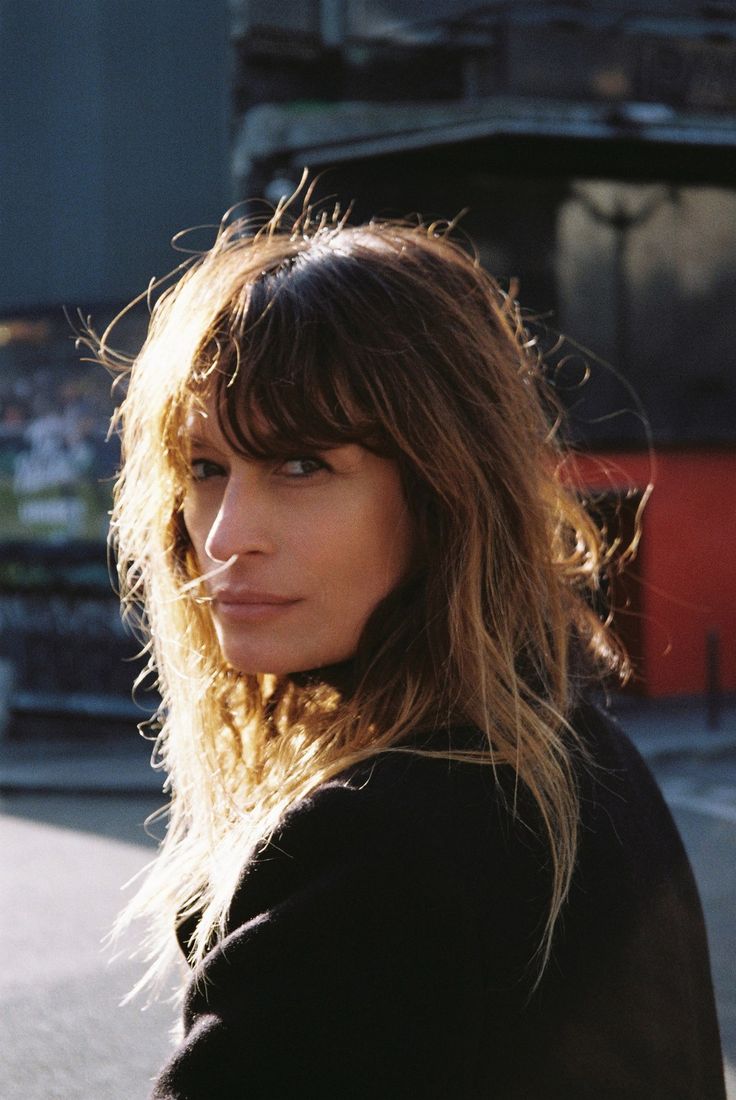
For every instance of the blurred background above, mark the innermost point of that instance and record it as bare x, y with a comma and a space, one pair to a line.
591, 147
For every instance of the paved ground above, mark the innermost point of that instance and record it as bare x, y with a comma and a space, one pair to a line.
71, 832
120, 761
63, 1035
702, 795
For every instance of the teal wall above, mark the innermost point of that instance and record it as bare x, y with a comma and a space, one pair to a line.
114, 134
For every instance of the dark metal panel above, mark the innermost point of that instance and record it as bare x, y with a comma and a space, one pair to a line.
639, 272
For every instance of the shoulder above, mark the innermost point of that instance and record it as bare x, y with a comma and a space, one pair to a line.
439, 807
427, 848
397, 817
452, 845
406, 794
439, 814
402, 798
619, 797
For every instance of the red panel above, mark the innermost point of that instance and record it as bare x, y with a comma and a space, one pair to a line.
687, 562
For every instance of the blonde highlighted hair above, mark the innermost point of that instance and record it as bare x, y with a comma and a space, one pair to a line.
313, 332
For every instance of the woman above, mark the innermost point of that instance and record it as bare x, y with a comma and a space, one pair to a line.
405, 857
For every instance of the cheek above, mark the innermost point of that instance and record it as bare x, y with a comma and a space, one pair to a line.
372, 554
195, 526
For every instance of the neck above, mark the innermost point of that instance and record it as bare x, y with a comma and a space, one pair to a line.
340, 676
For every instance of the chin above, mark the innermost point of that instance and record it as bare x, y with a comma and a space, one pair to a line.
252, 659
282, 664
263, 664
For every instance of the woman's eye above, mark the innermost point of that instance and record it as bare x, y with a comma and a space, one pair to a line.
301, 467
202, 469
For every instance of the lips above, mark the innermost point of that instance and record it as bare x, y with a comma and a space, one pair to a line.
249, 596
248, 605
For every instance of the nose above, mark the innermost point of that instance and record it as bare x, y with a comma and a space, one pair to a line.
244, 523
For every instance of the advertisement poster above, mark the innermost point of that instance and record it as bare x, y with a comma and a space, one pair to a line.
60, 626
56, 467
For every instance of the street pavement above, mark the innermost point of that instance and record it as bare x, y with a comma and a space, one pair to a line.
63, 1033
120, 761
72, 813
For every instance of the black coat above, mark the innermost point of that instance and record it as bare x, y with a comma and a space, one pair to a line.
382, 946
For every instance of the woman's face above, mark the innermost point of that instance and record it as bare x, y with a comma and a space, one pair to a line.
313, 544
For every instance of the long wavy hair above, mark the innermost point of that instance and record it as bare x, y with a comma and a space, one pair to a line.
310, 332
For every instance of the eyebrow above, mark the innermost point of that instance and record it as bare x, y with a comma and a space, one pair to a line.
200, 440
194, 436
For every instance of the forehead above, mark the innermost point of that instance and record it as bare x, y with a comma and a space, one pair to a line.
270, 418
248, 433
201, 419
207, 420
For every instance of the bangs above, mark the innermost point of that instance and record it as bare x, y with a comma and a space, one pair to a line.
287, 376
